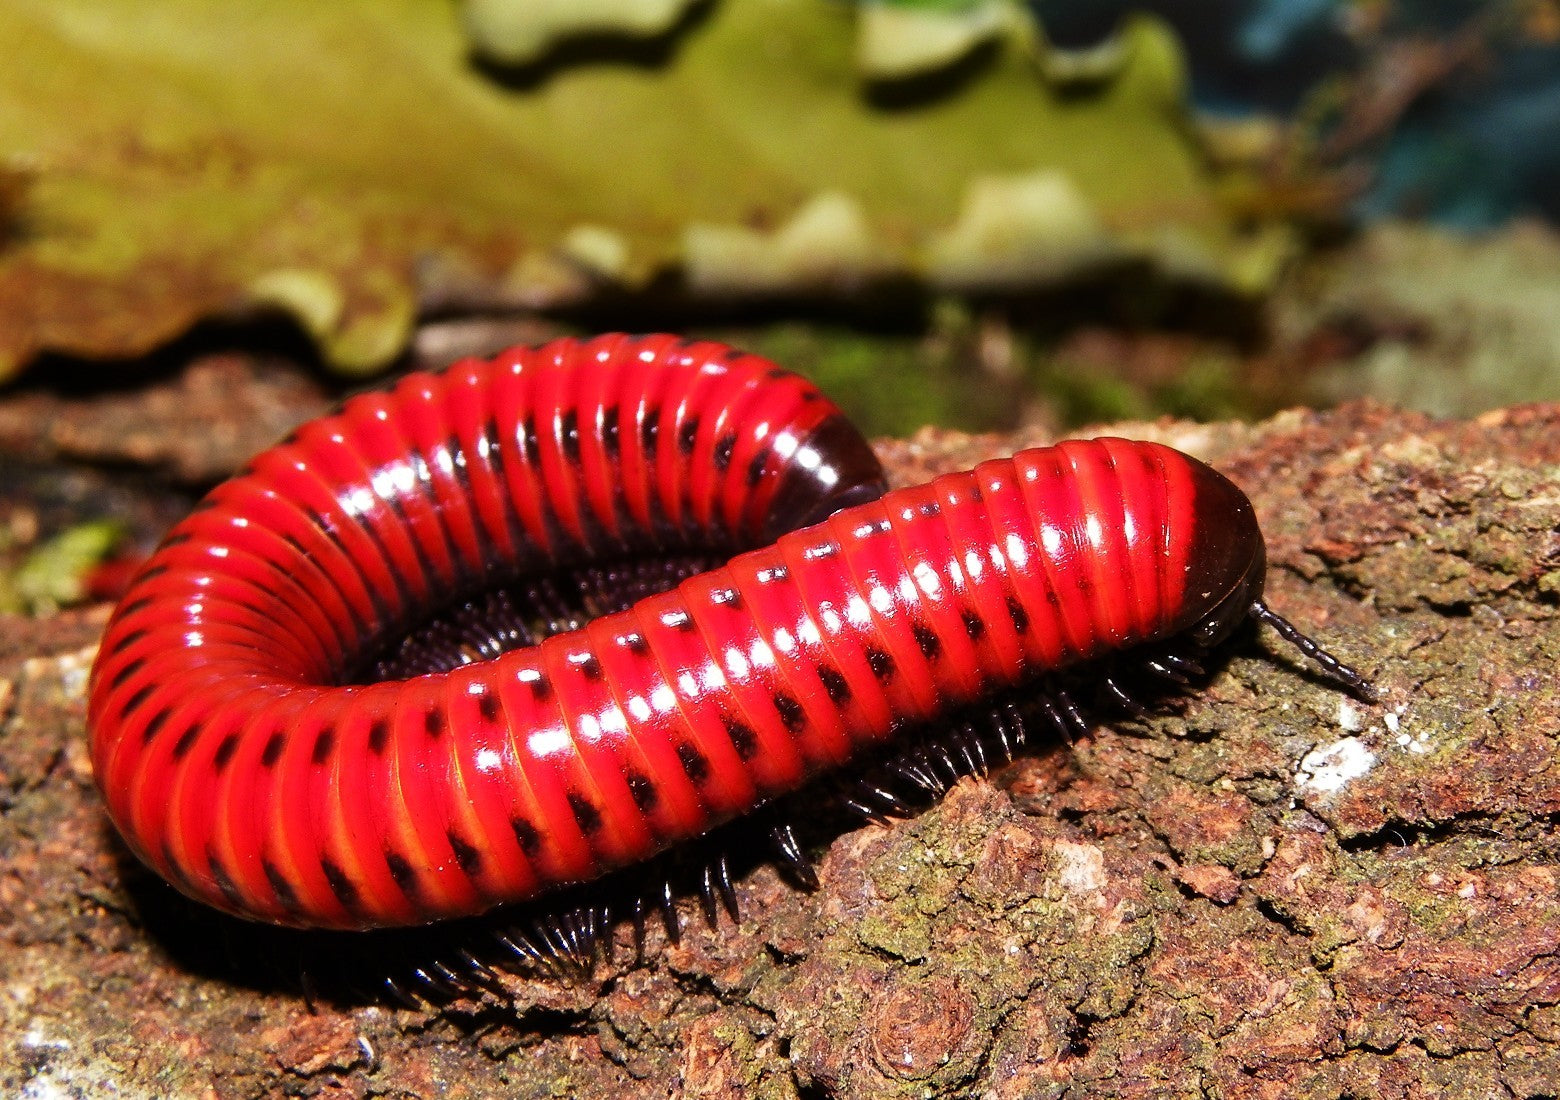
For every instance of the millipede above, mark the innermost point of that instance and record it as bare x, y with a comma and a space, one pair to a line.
320, 704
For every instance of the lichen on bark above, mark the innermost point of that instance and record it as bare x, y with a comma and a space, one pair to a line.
1268, 889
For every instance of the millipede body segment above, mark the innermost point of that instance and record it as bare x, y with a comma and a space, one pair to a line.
241, 757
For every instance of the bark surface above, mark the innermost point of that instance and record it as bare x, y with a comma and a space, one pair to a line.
1266, 890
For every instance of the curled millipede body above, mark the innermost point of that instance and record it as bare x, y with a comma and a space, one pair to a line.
251, 751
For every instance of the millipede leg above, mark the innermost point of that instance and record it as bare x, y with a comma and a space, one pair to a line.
479, 972
1162, 668
707, 895
605, 939
728, 893
666, 900
1071, 712
915, 769
401, 996
1123, 698
790, 853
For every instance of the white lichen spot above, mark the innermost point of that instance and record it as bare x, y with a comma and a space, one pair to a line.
44, 1087
1390, 720
1080, 867
1349, 716
1326, 770
37, 1040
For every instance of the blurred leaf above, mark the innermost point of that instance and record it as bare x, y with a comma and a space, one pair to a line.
900, 38
516, 32
346, 164
53, 575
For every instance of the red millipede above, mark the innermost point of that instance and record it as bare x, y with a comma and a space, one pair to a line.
242, 758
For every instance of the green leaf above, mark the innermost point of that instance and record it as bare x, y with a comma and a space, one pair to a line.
347, 164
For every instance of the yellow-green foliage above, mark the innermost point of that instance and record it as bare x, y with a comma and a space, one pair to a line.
348, 162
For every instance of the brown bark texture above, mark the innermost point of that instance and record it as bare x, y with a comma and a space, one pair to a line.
1267, 889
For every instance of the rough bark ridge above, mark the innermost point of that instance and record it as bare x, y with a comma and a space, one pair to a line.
1268, 891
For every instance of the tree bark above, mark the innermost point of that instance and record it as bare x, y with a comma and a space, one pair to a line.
1265, 890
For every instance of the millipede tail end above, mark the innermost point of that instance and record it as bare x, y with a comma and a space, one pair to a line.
1334, 667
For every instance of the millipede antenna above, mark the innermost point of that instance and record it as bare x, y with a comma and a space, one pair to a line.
1334, 667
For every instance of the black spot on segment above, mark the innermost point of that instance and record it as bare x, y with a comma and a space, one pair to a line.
743, 739
588, 817
466, 854
678, 620
636, 644
755, 470
790, 711
687, 433
140, 697
526, 836
117, 681
279, 884
609, 431
273, 749
882, 664
378, 736
728, 597
186, 742
1017, 613
324, 745
644, 792
457, 455
541, 688
650, 429
930, 508
487, 706
225, 751
224, 881
590, 667
926, 638
340, 884
170, 866
401, 871
155, 725
139, 604
569, 429
528, 441
724, 446
973, 626
834, 684
693, 762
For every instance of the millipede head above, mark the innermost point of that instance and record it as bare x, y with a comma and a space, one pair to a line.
839, 470
1227, 560
1226, 566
